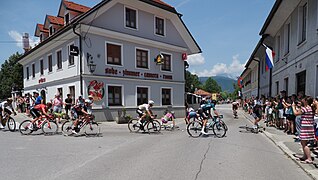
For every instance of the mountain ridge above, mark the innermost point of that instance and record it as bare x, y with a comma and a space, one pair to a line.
225, 81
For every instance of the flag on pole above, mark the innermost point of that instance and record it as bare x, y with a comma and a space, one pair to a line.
269, 58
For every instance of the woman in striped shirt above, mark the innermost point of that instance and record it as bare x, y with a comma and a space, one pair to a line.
307, 127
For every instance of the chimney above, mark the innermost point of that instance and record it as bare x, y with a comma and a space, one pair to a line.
26, 44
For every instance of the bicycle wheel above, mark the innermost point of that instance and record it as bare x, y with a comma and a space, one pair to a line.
50, 127
67, 127
194, 129
133, 125
24, 127
153, 126
11, 124
91, 129
219, 129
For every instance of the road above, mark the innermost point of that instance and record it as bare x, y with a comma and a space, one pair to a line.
120, 155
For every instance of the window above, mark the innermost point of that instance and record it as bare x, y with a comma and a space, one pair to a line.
286, 85
166, 66
33, 70
114, 96
142, 58
41, 67
27, 73
60, 92
67, 18
166, 96
51, 30
278, 48
50, 64
113, 54
72, 92
287, 38
301, 82
59, 59
277, 87
160, 23
131, 18
302, 23
142, 95
70, 57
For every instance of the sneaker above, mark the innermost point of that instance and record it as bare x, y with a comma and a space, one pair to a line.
203, 132
30, 126
1, 126
74, 132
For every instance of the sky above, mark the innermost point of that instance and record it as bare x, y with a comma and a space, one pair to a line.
227, 31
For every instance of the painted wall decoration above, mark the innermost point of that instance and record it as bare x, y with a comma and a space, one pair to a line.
96, 89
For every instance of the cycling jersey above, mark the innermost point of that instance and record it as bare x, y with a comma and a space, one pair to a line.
145, 107
207, 107
5, 106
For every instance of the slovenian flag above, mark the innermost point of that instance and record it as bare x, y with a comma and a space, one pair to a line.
269, 58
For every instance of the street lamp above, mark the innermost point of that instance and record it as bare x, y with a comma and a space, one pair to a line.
91, 66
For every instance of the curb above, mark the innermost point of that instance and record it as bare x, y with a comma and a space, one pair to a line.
283, 148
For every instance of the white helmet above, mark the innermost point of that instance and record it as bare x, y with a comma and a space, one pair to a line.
151, 102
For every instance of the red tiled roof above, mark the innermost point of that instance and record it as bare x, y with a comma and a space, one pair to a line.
56, 20
202, 93
162, 3
42, 29
76, 7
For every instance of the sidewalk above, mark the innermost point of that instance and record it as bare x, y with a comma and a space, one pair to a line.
287, 145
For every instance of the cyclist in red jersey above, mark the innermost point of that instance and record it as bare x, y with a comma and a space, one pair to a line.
38, 110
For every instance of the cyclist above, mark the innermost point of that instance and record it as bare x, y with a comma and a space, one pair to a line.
77, 111
38, 110
205, 113
235, 105
144, 111
6, 107
257, 112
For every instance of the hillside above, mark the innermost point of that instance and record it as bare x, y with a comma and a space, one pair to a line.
226, 83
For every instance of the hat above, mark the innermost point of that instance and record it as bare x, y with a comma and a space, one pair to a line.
283, 91
35, 92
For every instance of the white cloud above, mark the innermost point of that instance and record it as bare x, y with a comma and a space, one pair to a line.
196, 59
234, 69
182, 3
18, 38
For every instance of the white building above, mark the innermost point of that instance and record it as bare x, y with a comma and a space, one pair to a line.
118, 41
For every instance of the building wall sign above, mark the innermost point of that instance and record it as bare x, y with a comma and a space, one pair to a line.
42, 80
112, 71
96, 89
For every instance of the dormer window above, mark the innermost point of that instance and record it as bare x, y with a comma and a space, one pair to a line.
51, 30
67, 18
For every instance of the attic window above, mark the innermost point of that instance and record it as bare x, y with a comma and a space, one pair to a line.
51, 30
67, 18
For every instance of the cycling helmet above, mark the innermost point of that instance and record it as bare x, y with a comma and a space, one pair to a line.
9, 99
200, 110
151, 102
49, 104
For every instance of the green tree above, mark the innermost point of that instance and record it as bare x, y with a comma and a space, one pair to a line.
11, 76
192, 82
224, 94
234, 95
211, 86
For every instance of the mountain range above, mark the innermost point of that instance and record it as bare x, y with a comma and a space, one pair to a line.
225, 81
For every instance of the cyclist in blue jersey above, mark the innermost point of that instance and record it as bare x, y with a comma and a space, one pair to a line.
205, 113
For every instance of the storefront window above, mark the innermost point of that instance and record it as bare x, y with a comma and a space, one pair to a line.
114, 96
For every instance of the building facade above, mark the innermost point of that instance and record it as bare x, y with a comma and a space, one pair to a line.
129, 52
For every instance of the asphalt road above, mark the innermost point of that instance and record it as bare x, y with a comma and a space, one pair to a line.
118, 154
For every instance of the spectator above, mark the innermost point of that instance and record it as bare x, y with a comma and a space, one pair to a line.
38, 98
27, 104
68, 103
89, 104
57, 107
307, 127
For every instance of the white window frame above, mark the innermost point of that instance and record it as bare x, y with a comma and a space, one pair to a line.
69, 18
57, 68
171, 90
144, 49
171, 65
49, 72
125, 7
136, 94
278, 47
300, 23
164, 26
287, 39
26, 73
40, 67
122, 53
122, 92
33, 70
51, 32
68, 55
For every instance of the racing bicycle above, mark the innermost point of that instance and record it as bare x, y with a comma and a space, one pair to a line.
151, 124
9, 121
86, 123
46, 123
215, 124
